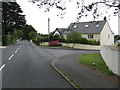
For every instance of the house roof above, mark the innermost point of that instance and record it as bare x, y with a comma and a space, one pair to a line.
86, 27
60, 30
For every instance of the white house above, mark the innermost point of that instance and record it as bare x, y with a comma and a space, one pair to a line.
93, 30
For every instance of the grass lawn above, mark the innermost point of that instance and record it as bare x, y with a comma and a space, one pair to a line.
95, 61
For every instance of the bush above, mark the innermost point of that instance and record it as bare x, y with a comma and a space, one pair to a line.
118, 44
8, 39
93, 42
84, 41
73, 37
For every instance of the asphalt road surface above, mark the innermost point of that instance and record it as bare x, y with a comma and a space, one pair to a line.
27, 66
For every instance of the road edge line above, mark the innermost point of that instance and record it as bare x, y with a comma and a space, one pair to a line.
66, 78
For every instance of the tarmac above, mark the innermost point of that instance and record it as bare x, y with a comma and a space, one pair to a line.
73, 69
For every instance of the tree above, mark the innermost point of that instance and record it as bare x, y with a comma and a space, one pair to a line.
12, 18
32, 35
26, 30
18, 34
93, 7
74, 37
116, 37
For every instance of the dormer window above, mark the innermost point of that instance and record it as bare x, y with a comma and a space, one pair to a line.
86, 26
97, 25
74, 26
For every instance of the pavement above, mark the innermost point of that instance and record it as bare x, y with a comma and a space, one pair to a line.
2, 46
25, 66
69, 65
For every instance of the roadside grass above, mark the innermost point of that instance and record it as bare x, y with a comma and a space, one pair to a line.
55, 46
95, 61
71, 80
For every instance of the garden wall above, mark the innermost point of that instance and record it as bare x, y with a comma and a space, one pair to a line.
111, 55
79, 46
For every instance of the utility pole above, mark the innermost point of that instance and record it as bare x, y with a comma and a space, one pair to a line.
118, 21
48, 31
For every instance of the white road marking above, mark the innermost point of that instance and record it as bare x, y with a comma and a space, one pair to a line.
11, 56
19, 47
16, 51
2, 67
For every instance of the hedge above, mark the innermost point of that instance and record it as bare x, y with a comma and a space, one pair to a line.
8, 40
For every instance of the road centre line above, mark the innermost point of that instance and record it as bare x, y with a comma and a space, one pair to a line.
16, 51
2, 67
11, 57
19, 47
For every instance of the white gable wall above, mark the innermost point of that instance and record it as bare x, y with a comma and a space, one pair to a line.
106, 35
56, 32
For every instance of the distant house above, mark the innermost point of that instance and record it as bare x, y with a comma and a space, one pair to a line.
60, 31
93, 30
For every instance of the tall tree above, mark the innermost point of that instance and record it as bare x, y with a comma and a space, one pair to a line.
26, 30
12, 18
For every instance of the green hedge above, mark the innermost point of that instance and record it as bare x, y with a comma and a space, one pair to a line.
93, 42
85, 41
8, 40
118, 44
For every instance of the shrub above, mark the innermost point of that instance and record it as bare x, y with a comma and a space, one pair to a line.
93, 42
84, 41
118, 44
8, 39
73, 37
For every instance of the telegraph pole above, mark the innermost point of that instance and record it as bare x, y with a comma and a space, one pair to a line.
118, 21
48, 31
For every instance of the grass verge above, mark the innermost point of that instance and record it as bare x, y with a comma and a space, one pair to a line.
95, 61
71, 80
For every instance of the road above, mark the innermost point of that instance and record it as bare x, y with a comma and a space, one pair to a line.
27, 66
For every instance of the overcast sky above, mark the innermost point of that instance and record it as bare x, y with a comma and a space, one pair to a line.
39, 19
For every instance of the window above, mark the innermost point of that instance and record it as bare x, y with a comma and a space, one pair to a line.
97, 25
90, 36
86, 26
74, 26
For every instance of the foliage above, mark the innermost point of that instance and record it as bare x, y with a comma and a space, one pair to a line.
93, 42
18, 34
12, 19
26, 32
8, 39
44, 38
38, 40
57, 37
116, 37
84, 41
12, 22
94, 7
74, 37
32, 35
118, 44
95, 61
